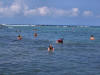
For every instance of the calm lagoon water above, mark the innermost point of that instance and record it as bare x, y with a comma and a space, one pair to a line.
76, 56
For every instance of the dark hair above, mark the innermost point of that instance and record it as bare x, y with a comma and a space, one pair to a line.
50, 46
18, 35
92, 36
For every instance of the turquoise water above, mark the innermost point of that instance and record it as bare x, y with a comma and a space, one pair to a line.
76, 56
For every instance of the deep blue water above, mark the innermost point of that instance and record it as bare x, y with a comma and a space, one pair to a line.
76, 56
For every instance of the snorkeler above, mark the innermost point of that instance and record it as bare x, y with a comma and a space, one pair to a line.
59, 41
35, 34
92, 37
19, 37
50, 48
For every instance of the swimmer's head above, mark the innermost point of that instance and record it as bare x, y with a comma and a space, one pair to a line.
92, 36
18, 35
50, 45
35, 34
50, 48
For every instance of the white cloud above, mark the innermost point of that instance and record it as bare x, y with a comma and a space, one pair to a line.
88, 13
43, 10
20, 7
46, 11
30, 12
38, 11
75, 12
14, 9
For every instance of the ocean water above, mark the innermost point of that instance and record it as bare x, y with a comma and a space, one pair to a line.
76, 56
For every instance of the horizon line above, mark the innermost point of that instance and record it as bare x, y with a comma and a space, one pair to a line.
49, 24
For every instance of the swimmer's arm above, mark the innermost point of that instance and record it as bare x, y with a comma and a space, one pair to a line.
56, 41
48, 49
53, 49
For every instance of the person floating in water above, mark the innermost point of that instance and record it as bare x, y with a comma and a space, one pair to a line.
92, 37
35, 34
50, 48
19, 37
59, 41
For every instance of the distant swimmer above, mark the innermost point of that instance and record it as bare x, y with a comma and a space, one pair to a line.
50, 48
19, 37
92, 37
35, 34
59, 41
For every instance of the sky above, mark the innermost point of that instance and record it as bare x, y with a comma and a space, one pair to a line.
50, 12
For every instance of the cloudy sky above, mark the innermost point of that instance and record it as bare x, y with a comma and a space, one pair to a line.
60, 12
